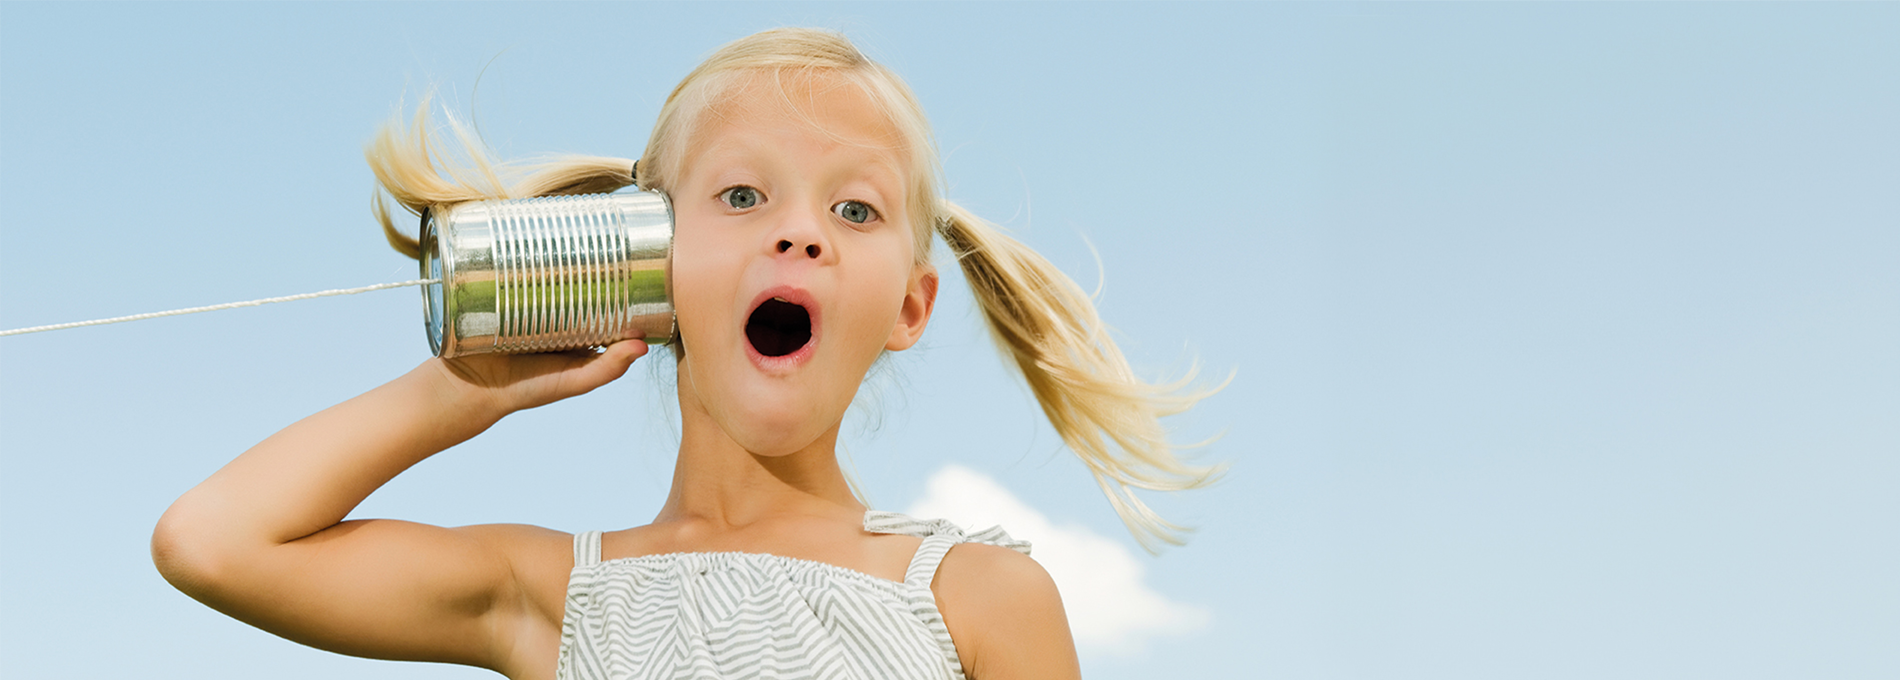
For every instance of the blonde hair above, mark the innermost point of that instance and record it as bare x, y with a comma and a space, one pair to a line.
1038, 316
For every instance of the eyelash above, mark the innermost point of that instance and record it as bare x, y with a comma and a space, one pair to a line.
725, 196
837, 209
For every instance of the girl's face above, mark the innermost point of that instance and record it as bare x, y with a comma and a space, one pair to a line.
792, 261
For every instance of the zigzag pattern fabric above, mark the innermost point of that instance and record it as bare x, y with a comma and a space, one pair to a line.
724, 616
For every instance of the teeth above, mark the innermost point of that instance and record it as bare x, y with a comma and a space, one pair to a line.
780, 299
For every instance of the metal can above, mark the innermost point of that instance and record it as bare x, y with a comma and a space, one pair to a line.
548, 274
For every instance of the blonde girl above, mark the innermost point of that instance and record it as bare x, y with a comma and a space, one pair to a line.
806, 195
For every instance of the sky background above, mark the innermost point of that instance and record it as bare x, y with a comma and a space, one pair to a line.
1565, 338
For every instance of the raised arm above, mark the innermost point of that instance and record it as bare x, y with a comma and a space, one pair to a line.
264, 540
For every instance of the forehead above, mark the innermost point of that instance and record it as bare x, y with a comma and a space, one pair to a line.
815, 114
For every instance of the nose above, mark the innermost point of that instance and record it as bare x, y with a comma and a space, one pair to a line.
800, 235
812, 250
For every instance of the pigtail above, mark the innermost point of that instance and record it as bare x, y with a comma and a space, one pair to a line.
1044, 322
412, 167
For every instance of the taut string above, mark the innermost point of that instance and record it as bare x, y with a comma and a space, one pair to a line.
213, 308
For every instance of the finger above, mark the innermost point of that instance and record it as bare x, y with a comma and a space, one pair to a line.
613, 362
633, 349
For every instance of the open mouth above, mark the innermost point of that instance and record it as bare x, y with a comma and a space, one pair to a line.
778, 328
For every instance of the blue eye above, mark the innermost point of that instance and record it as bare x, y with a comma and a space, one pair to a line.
854, 212
740, 197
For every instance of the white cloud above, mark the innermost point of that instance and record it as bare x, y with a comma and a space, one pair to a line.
1109, 607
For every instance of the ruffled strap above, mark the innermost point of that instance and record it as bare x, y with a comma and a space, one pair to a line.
939, 536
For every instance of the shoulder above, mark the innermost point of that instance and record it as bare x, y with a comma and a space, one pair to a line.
1004, 613
980, 568
524, 547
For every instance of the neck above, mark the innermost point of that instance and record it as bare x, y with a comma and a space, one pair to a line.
718, 482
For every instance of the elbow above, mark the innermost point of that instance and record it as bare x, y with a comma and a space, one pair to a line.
184, 549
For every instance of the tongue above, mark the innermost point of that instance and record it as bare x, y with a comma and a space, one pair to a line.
778, 328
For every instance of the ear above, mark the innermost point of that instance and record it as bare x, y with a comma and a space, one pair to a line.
920, 297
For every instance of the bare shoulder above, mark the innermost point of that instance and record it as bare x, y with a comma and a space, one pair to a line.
524, 542
993, 569
1005, 614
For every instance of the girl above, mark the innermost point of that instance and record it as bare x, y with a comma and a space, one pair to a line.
805, 190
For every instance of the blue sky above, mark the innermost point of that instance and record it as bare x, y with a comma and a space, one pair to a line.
1566, 338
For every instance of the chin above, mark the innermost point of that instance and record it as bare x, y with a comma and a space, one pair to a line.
766, 438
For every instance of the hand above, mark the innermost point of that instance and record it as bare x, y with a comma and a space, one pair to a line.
513, 382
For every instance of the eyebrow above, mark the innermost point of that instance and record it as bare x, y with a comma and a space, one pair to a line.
877, 166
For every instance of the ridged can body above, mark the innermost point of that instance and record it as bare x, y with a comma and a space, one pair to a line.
548, 274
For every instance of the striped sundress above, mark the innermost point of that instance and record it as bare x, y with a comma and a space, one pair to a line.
728, 615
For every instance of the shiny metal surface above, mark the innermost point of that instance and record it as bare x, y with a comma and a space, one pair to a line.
548, 274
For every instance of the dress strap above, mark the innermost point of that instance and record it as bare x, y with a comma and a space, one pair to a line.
586, 549
939, 536
923, 565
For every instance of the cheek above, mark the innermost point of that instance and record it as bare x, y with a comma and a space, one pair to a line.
702, 276
881, 297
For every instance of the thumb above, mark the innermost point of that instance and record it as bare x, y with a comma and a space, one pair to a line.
612, 363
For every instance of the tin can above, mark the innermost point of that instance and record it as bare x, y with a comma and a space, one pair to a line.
548, 274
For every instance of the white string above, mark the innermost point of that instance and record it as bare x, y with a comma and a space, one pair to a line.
213, 308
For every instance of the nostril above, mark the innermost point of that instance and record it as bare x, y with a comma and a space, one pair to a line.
784, 246
811, 251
